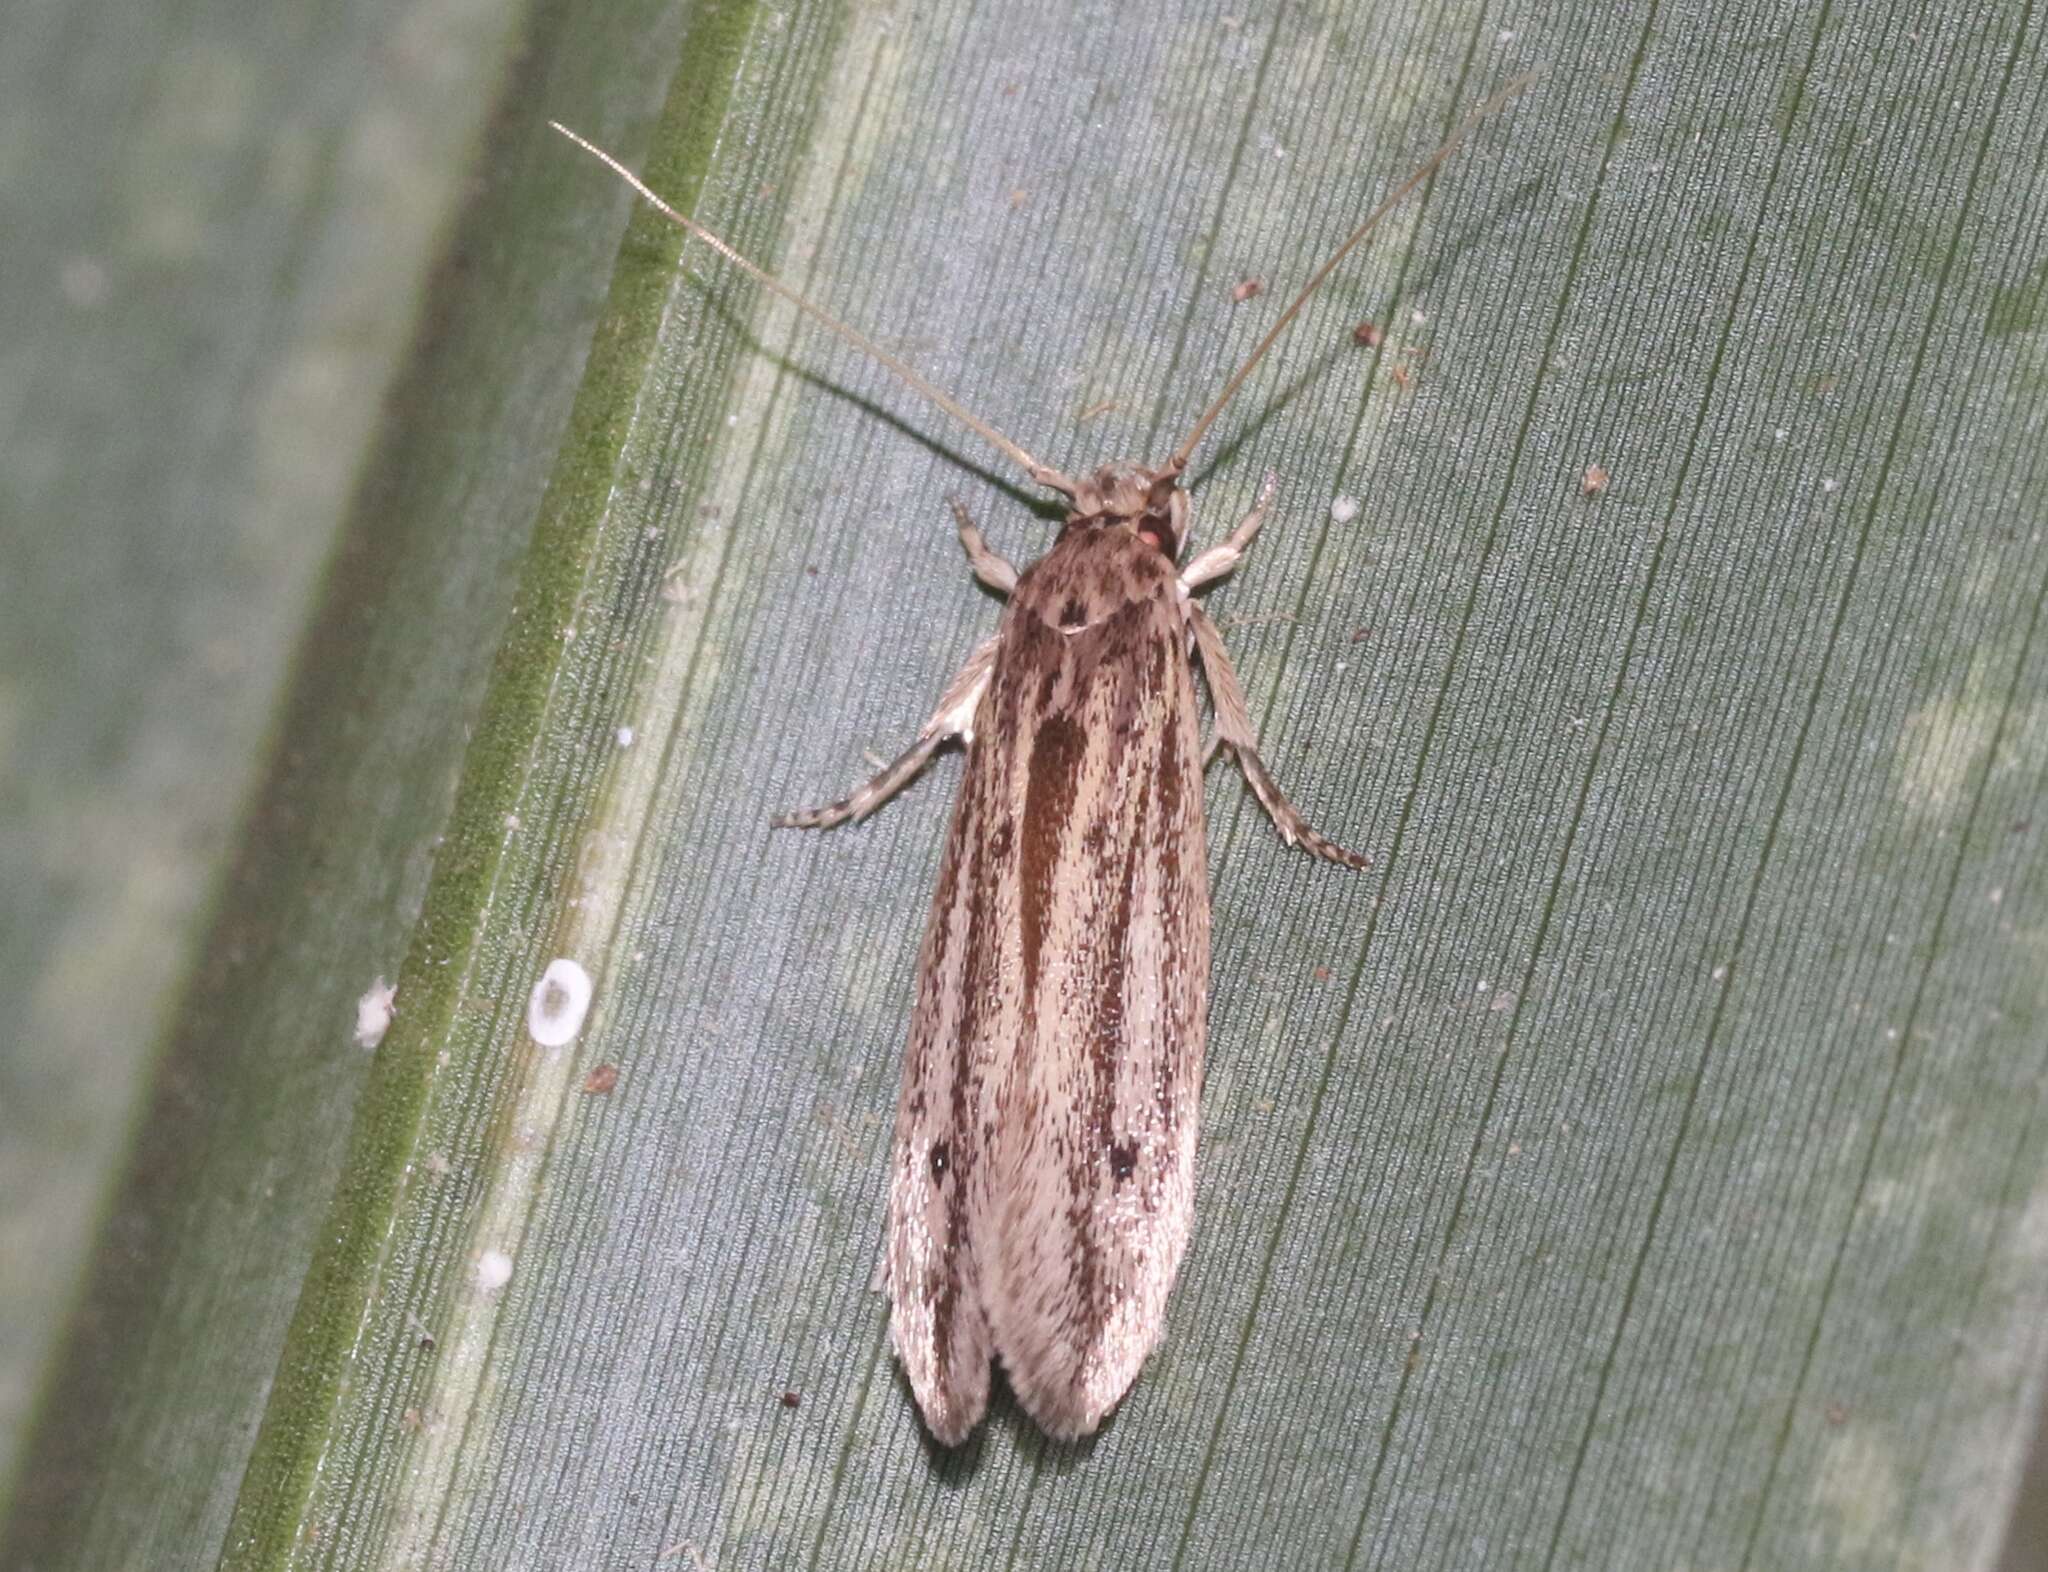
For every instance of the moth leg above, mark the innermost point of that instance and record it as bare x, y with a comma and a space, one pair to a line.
989, 566
1234, 731
1222, 557
953, 718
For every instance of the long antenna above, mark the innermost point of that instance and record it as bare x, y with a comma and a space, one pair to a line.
1042, 474
1483, 112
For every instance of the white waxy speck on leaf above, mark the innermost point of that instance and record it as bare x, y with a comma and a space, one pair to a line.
558, 1004
374, 1011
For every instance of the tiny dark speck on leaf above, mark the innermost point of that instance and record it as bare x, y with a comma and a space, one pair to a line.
1366, 335
601, 1080
1245, 289
790, 1399
1322, 974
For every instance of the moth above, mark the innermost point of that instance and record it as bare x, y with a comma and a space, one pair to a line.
1041, 1187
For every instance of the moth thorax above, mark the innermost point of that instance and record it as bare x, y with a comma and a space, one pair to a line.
1149, 502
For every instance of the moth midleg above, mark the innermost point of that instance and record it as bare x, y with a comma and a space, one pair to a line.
1219, 559
990, 566
1234, 731
1213, 564
953, 718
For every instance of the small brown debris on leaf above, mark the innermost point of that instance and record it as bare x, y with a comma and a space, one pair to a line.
1402, 380
1322, 974
790, 1399
1366, 335
1360, 635
1099, 407
1838, 1413
1245, 288
601, 1080
1594, 481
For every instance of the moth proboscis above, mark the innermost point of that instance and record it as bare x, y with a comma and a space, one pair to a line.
1042, 1176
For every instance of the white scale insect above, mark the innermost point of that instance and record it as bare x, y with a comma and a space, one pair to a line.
1042, 1183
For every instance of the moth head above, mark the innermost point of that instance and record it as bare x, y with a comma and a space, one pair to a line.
1148, 502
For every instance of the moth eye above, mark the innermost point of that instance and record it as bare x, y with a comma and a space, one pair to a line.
942, 1159
1123, 1159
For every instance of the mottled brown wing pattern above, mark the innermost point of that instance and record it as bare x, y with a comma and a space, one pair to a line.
1043, 1181
938, 1178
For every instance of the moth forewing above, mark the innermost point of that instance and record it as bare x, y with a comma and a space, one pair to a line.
1042, 1172
1088, 771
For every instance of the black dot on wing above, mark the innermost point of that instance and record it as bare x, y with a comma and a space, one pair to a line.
1073, 613
1123, 1159
942, 1159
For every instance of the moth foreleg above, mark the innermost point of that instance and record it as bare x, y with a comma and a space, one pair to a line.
953, 718
991, 568
1234, 731
1222, 557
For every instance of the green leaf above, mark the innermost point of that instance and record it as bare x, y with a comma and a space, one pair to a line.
1645, 1164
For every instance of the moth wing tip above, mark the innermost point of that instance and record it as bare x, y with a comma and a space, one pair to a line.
1071, 1416
951, 1429
1068, 1399
949, 1413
